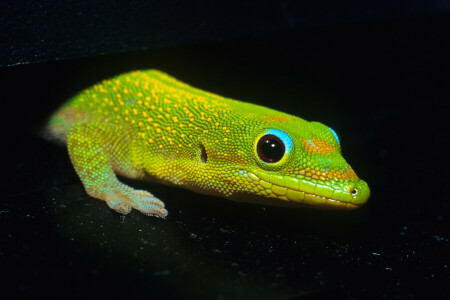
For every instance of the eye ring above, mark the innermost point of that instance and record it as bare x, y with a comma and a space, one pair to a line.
270, 148
335, 135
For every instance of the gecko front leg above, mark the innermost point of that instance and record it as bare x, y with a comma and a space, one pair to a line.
97, 151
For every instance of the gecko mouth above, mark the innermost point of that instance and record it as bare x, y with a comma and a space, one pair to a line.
305, 193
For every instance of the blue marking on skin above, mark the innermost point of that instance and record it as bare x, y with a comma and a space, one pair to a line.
323, 163
335, 135
284, 137
130, 101
312, 144
243, 173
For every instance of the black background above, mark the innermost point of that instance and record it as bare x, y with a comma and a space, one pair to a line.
382, 85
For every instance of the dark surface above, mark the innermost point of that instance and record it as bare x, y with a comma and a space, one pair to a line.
383, 87
48, 30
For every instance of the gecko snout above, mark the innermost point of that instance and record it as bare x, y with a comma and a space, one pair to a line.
359, 192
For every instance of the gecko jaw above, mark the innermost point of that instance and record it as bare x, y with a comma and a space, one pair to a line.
300, 192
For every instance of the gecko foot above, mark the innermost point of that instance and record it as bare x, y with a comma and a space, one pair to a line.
123, 198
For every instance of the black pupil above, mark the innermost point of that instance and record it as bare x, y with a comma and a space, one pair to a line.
270, 148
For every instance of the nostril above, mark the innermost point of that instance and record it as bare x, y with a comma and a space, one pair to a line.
354, 191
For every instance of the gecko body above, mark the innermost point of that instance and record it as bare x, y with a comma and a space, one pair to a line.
148, 125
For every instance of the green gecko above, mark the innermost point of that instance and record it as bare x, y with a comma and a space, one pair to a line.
148, 125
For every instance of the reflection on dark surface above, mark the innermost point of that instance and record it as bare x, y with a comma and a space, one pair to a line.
382, 87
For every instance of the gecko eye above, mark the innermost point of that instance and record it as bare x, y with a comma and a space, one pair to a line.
270, 148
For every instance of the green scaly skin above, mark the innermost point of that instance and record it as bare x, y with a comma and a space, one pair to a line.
147, 125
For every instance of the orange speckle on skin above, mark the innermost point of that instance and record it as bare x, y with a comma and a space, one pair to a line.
278, 118
317, 145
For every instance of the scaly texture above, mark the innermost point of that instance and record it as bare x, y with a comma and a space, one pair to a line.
147, 125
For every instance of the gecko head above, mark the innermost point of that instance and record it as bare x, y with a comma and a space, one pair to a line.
298, 163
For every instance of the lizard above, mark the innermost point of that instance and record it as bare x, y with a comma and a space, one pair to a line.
147, 125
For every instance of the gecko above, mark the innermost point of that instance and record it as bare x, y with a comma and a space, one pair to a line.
147, 125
